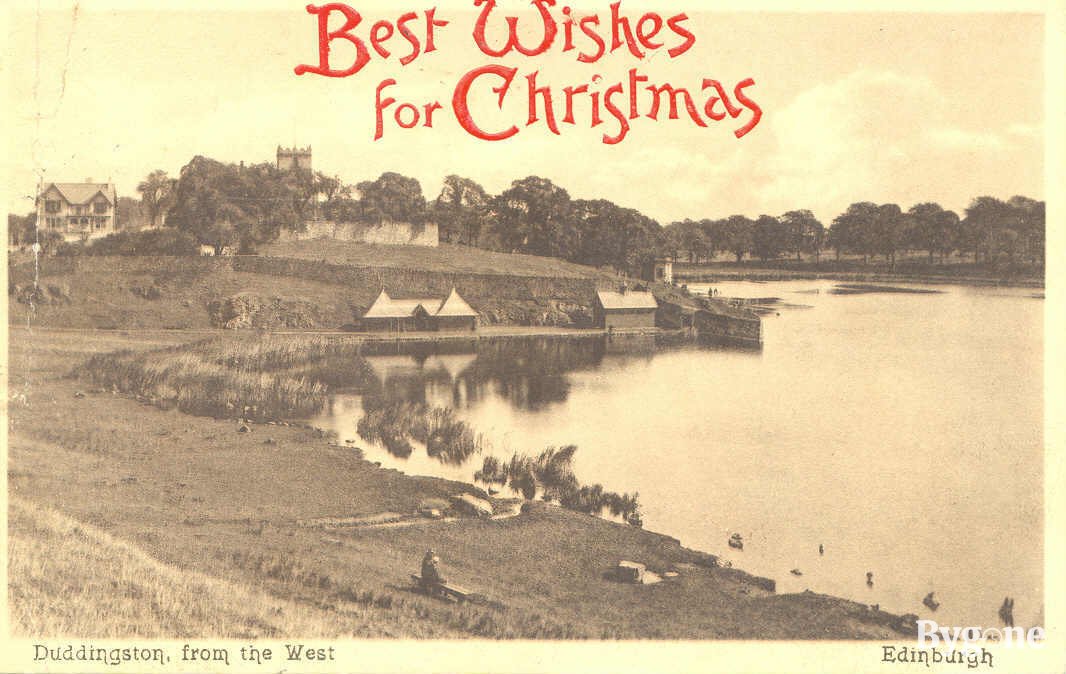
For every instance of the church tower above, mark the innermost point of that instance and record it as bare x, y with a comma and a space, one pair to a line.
294, 158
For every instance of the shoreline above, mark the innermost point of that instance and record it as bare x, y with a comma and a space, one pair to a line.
713, 275
117, 468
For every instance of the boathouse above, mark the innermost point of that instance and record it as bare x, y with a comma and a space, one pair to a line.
624, 309
419, 314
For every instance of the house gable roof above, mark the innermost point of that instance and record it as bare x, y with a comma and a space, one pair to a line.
82, 193
629, 300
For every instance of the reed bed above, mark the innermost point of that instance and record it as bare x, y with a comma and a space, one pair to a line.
260, 380
551, 475
394, 423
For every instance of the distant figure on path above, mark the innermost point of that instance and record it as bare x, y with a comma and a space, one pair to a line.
1006, 612
869, 578
431, 574
821, 549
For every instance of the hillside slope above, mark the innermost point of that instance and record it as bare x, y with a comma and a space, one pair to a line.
446, 258
324, 285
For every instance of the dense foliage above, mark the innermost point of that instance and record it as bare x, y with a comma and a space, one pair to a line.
237, 207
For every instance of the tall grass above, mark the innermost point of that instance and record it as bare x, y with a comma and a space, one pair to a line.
67, 578
185, 379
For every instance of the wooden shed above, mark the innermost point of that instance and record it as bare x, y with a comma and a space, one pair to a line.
624, 309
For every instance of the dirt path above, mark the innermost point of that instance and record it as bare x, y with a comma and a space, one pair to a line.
390, 520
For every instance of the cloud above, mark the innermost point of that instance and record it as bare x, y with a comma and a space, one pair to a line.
886, 137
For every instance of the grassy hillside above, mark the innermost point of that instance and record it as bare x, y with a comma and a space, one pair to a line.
294, 292
68, 578
447, 258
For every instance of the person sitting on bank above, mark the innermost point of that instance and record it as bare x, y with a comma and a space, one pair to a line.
431, 574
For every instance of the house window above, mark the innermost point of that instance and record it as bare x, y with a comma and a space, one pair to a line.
100, 207
53, 222
51, 206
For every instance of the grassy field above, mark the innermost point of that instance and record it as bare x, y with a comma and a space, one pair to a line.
448, 258
101, 481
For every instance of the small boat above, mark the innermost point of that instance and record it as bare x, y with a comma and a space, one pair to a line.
736, 541
931, 602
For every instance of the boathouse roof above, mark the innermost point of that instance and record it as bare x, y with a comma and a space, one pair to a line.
628, 301
389, 307
454, 305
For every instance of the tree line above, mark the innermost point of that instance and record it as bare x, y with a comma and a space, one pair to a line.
233, 205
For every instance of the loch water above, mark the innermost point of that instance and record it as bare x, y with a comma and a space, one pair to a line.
901, 431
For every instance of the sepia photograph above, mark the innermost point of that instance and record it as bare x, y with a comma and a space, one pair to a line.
507, 326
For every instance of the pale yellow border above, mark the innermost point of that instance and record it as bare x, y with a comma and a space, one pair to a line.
611, 657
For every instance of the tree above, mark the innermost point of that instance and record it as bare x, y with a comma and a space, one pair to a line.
851, 230
224, 204
21, 229
157, 195
461, 210
608, 234
534, 216
690, 236
391, 197
983, 216
769, 237
886, 231
1032, 226
130, 214
803, 233
932, 229
738, 232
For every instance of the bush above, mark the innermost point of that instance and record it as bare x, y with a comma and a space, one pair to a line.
149, 242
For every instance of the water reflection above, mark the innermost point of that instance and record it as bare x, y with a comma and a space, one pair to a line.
531, 373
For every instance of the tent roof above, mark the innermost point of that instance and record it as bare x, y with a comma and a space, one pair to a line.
388, 307
385, 307
454, 305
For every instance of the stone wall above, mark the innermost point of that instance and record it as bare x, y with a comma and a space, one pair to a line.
388, 233
722, 327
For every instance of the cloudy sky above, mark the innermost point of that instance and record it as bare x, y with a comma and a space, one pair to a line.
878, 107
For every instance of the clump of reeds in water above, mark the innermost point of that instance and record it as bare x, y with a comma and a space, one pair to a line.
551, 475
390, 423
